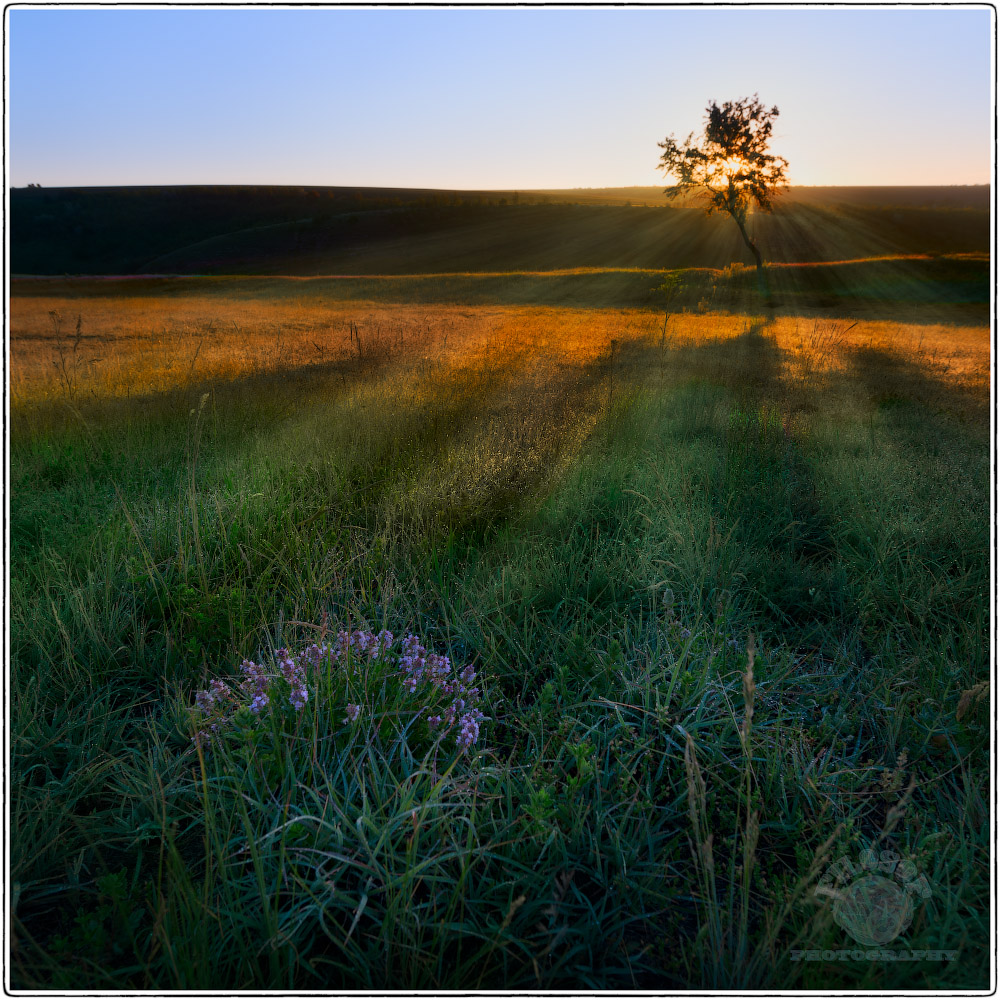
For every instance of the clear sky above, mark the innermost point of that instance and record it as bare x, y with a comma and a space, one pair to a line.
489, 99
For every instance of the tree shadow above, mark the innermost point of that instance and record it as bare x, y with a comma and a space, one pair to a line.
749, 364
770, 549
902, 289
773, 540
924, 519
890, 379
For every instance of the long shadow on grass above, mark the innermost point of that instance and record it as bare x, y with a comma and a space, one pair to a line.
928, 573
275, 385
774, 554
767, 547
891, 380
198, 574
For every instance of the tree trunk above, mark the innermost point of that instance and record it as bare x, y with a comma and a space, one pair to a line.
761, 281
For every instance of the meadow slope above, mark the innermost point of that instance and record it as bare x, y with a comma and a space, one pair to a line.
302, 231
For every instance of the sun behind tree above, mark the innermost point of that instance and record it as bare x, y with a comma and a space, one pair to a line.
729, 164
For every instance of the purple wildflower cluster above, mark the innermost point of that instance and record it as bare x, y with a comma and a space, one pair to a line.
255, 682
295, 674
362, 643
422, 669
419, 671
218, 693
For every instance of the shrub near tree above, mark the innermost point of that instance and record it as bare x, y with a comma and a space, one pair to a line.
729, 164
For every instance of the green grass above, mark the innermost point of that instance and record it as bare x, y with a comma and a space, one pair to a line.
601, 539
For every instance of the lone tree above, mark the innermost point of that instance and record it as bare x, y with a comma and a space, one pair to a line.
729, 163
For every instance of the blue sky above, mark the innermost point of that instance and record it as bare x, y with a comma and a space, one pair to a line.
501, 98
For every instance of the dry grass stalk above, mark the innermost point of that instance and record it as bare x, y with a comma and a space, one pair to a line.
970, 698
749, 691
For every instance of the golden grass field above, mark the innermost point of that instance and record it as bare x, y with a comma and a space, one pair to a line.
131, 346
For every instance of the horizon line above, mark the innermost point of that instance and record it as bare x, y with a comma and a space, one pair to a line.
458, 190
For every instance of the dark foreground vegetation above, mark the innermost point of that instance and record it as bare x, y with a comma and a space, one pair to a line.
721, 573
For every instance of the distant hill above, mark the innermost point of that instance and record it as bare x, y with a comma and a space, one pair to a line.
959, 196
338, 230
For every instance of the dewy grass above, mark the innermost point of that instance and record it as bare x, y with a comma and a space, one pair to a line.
652, 802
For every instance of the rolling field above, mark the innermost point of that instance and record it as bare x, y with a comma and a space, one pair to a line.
720, 566
322, 231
